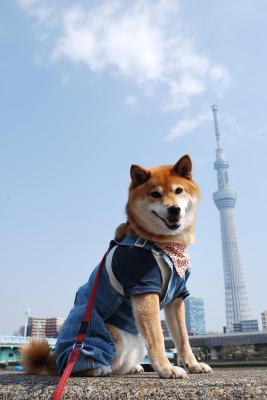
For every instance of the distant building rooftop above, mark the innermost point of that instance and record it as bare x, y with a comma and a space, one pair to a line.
220, 340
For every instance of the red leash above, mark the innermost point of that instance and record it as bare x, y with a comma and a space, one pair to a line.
78, 345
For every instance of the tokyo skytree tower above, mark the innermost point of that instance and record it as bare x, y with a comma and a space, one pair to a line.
236, 300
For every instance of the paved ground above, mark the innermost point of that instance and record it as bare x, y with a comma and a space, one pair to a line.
229, 384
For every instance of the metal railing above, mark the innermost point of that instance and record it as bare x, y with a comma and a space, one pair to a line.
19, 340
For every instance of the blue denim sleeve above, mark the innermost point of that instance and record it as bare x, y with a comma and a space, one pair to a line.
137, 271
184, 292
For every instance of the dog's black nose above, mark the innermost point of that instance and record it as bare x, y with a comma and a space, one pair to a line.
174, 211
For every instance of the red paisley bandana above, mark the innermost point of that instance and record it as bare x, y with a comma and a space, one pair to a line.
178, 254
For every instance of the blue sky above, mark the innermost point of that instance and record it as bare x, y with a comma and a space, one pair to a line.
87, 90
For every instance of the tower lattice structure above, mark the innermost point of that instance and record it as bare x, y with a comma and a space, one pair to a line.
236, 300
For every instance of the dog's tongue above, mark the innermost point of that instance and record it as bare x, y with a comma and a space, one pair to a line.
173, 221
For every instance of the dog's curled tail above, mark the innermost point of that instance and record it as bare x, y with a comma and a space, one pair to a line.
37, 358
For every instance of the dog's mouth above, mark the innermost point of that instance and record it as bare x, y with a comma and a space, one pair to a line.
171, 223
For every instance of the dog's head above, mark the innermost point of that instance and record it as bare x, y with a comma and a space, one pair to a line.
162, 200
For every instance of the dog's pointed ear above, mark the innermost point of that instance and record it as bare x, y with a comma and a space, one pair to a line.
183, 167
139, 175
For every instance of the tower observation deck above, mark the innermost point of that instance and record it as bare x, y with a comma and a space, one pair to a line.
236, 300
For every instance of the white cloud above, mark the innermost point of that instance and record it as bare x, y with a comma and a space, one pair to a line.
181, 91
131, 100
112, 36
220, 78
185, 126
141, 41
228, 123
36, 8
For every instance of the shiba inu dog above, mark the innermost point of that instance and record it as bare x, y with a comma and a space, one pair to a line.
146, 269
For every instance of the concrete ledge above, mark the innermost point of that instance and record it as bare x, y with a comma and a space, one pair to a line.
222, 384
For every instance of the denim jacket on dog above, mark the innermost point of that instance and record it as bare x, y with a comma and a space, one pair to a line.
111, 305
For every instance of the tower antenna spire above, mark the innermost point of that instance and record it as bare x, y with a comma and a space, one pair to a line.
26, 314
236, 300
216, 125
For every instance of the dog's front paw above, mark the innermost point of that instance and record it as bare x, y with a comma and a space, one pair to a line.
101, 371
137, 369
172, 372
199, 368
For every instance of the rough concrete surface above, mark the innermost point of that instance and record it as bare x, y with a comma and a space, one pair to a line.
222, 384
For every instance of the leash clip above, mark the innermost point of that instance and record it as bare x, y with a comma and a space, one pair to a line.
77, 345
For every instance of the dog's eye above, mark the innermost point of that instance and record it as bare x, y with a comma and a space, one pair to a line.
156, 195
178, 190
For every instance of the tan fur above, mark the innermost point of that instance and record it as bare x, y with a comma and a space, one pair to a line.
37, 358
175, 318
187, 237
164, 176
121, 231
130, 351
114, 333
147, 314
